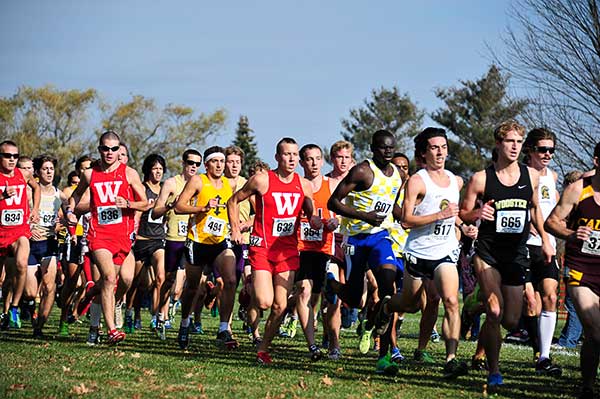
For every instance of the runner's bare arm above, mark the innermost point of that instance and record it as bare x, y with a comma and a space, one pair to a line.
555, 224
77, 195
308, 205
192, 187
140, 201
36, 191
537, 219
257, 184
160, 205
475, 188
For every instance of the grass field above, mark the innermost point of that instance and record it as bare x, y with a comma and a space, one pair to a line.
142, 366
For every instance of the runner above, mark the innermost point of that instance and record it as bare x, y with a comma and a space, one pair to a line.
207, 242
315, 246
42, 262
15, 214
539, 149
371, 190
580, 205
430, 210
177, 230
508, 191
280, 196
112, 212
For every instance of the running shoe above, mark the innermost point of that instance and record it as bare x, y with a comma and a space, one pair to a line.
153, 323
396, 356
114, 337
263, 358
4, 321
315, 353
435, 337
196, 328
226, 340
38, 333
329, 294
183, 338
385, 366
128, 323
335, 354
214, 311
479, 363
519, 336
63, 329
292, 328
325, 341
382, 319
161, 331
546, 367
454, 369
15, 317
376, 343
256, 341
495, 380
137, 324
119, 314
364, 342
168, 324
423, 357
93, 337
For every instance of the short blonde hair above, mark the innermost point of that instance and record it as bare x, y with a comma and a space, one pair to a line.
341, 145
507, 126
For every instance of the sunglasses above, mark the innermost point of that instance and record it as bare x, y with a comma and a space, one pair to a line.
105, 148
192, 163
8, 155
543, 150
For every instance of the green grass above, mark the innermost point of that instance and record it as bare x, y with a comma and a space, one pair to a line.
142, 366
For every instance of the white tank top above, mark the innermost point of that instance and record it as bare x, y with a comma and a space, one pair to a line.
547, 201
435, 240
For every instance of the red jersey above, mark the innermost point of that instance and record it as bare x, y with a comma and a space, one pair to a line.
317, 240
107, 219
14, 211
276, 221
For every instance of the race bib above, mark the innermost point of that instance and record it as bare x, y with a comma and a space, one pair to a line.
511, 222
309, 234
155, 221
441, 230
47, 219
214, 226
109, 215
182, 227
592, 245
12, 217
255, 241
382, 205
283, 227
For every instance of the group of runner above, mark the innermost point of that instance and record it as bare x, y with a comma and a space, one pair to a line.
365, 236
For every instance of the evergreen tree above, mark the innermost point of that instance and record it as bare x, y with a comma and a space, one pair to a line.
245, 140
471, 113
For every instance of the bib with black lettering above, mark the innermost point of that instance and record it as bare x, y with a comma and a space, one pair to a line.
211, 227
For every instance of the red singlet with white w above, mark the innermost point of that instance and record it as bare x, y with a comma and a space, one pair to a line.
14, 211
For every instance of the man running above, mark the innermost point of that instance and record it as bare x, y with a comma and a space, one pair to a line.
209, 248
15, 216
280, 196
579, 205
508, 194
112, 207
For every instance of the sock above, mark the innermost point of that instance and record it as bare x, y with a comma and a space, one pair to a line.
547, 325
531, 325
95, 313
185, 322
223, 326
87, 268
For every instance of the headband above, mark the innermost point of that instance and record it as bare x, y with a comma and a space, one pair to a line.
214, 155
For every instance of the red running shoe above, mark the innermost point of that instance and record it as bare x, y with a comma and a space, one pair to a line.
263, 358
115, 336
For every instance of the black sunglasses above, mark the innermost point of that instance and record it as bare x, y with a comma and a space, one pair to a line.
105, 148
192, 163
8, 155
543, 150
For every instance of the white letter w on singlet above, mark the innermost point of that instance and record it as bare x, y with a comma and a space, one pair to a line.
112, 188
16, 199
287, 205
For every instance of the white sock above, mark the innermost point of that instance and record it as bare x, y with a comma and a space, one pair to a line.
95, 314
223, 326
546, 332
185, 322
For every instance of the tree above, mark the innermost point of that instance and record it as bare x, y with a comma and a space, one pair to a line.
245, 140
48, 120
386, 109
555, 55
169, 131
471, 113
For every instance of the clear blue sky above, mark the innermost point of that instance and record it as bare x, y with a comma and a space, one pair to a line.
295, 68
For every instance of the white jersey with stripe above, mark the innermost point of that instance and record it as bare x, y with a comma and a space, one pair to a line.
380, 197
49, 206
547, 200
438, 239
